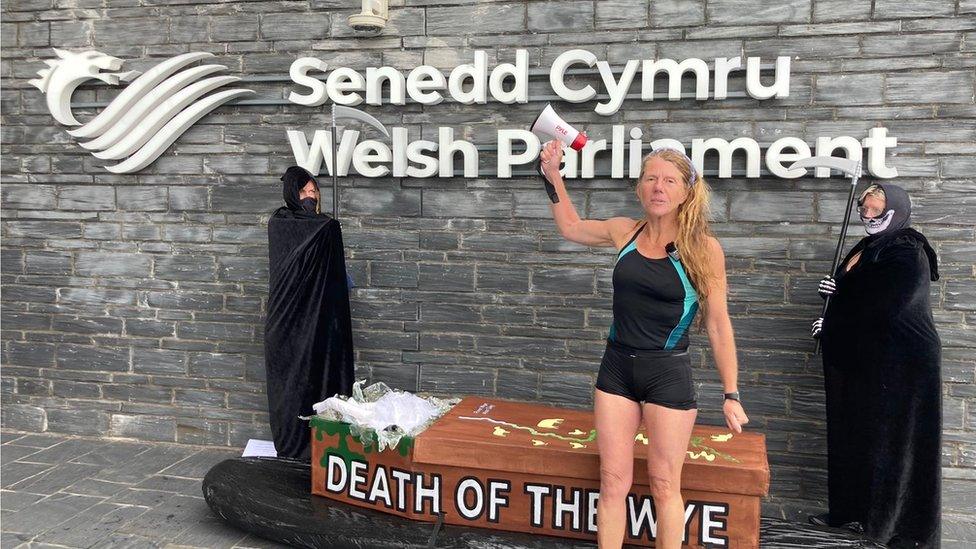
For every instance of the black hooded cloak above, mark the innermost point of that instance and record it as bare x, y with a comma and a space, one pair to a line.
881, 358
308, 333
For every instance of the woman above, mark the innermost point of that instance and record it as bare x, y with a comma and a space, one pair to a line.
308, 332
301, 193
646, 371
881, 358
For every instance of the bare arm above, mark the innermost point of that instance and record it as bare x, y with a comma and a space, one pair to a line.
720, 336
588, 232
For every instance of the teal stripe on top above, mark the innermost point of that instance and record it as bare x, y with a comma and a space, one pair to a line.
628, 248
690, 307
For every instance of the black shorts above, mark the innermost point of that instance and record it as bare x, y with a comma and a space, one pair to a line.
655, 377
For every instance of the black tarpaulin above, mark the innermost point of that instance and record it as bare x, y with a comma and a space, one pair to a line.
308, 333
881, 357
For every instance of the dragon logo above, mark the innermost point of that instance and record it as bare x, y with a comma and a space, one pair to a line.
146, 117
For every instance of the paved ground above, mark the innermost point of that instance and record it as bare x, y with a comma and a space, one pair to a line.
80, 492
61, 491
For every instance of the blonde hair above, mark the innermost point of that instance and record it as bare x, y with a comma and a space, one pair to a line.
693, 225
874, 190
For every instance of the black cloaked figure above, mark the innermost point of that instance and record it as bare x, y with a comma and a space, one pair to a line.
308, 333
881, 359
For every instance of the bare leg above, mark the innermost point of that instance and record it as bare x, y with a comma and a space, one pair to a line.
617, 420
668, 433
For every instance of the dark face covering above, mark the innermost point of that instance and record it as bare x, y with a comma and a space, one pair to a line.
294, 181
308, 204
897, 212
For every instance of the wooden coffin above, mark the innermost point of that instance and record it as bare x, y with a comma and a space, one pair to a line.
529, 468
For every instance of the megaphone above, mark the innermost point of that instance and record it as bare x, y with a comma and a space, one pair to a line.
550, 124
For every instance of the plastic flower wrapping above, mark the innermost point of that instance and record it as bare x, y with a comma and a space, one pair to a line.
381, 415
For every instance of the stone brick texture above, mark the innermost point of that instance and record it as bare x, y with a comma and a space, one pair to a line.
133, 304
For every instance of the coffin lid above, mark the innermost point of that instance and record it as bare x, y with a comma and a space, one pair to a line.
528, 438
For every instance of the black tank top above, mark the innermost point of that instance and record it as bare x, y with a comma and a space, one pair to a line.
653, 301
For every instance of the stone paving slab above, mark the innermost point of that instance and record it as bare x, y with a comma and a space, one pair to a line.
14, 501
96, 487
143, 498
167, 483
9, 539
169, 519
55, 479
19, 471
214, 533
95, 523
64, 451
125, 541
35, 440
112, 454
82, 492
47, 513
197, 465
137, 468
13, 453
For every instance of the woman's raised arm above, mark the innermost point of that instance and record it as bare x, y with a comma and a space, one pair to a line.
588, 232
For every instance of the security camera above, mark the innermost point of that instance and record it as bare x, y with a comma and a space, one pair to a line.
372, 17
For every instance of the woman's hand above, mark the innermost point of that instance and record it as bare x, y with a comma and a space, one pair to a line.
735, 416
551, 158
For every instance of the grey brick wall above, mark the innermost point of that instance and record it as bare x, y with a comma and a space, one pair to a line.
132, 304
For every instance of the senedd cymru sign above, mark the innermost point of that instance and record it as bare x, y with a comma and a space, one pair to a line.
156, 107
